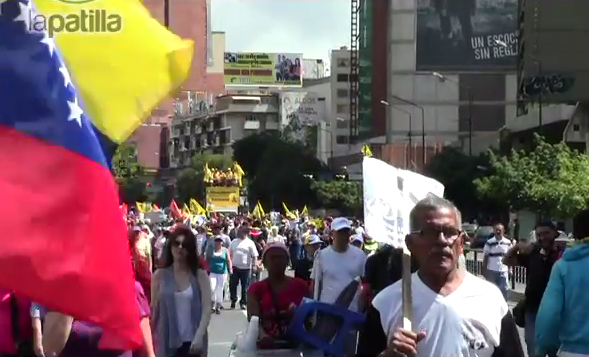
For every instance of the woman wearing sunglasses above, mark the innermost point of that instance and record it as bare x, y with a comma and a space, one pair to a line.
181, 299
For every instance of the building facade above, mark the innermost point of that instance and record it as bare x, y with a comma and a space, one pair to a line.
212, 129
189, 19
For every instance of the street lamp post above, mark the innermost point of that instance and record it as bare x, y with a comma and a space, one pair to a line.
167, 13
540, 74
443, 78
422, 122
409, 134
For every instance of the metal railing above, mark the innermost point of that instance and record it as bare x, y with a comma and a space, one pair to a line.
474, 265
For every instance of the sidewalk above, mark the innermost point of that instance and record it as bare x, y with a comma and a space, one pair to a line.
516, 294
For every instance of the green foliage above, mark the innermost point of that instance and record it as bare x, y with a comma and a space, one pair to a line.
129, 175
275, 168
457, 172
189, 182
345, 196
551, 180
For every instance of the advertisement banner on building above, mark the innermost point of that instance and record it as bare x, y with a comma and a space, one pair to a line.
263, 69
467, 35
299, 113
223, 199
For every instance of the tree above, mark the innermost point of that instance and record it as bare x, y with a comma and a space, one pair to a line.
189, 183
129, 175
248, 151
550, 180
345, 196
457, 172
275, 170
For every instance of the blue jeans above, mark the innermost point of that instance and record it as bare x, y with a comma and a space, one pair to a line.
239, 276
529, 332
499, 279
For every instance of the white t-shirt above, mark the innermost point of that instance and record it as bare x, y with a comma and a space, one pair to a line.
496, 251
466, 323
243, 253
277, 239
337, 271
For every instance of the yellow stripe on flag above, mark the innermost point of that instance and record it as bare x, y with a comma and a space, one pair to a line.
121, 76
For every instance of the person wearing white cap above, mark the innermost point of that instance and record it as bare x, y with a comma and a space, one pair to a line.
304, 266
357, 240
339, 264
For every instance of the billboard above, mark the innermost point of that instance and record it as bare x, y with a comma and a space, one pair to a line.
263, 69
554, 66
462, 35
300, 112
223, 199
313, 68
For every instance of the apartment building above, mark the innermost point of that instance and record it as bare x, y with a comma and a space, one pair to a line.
212, 129
339, 121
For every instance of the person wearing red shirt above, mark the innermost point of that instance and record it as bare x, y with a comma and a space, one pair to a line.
275, 298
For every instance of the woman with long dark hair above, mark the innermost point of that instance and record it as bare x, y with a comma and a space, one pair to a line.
181, 299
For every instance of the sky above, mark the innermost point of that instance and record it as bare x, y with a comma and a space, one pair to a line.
310, 27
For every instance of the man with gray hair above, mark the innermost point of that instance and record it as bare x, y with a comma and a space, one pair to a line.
454, 313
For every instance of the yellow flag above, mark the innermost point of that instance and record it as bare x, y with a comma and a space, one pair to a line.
305, 211
366, 152
196, 208
186, 211
123, 71
140, 207
287, 212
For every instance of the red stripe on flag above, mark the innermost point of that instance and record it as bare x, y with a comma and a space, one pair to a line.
63, 241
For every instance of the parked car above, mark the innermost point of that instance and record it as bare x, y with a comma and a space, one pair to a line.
481, 236
562, 237
470, 229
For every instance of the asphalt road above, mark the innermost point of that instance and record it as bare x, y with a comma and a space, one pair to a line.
224, 328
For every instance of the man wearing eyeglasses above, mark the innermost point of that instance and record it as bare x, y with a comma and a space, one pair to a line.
454, 313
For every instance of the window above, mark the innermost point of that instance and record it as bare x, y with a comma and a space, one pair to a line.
342, 77
252, 117
342, 93
342, 139
342, 108
342, 124
343, 62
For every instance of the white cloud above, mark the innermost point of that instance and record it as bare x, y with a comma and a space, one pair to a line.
311, 27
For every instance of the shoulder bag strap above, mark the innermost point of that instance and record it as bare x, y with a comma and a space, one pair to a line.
14, 320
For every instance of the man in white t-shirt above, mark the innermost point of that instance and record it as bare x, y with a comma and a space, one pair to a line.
244, 256
454, 313
339, 264
493, 252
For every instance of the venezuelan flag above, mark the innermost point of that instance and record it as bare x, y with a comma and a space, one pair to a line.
60, 204
121, 76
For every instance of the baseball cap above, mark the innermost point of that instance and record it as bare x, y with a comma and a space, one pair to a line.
358, 238
340, 223
314, 239
276, 245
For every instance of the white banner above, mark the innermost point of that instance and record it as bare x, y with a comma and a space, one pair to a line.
389, 196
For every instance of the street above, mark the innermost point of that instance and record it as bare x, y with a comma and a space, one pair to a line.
224, 328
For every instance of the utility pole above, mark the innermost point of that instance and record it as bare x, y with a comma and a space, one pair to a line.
469, 122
